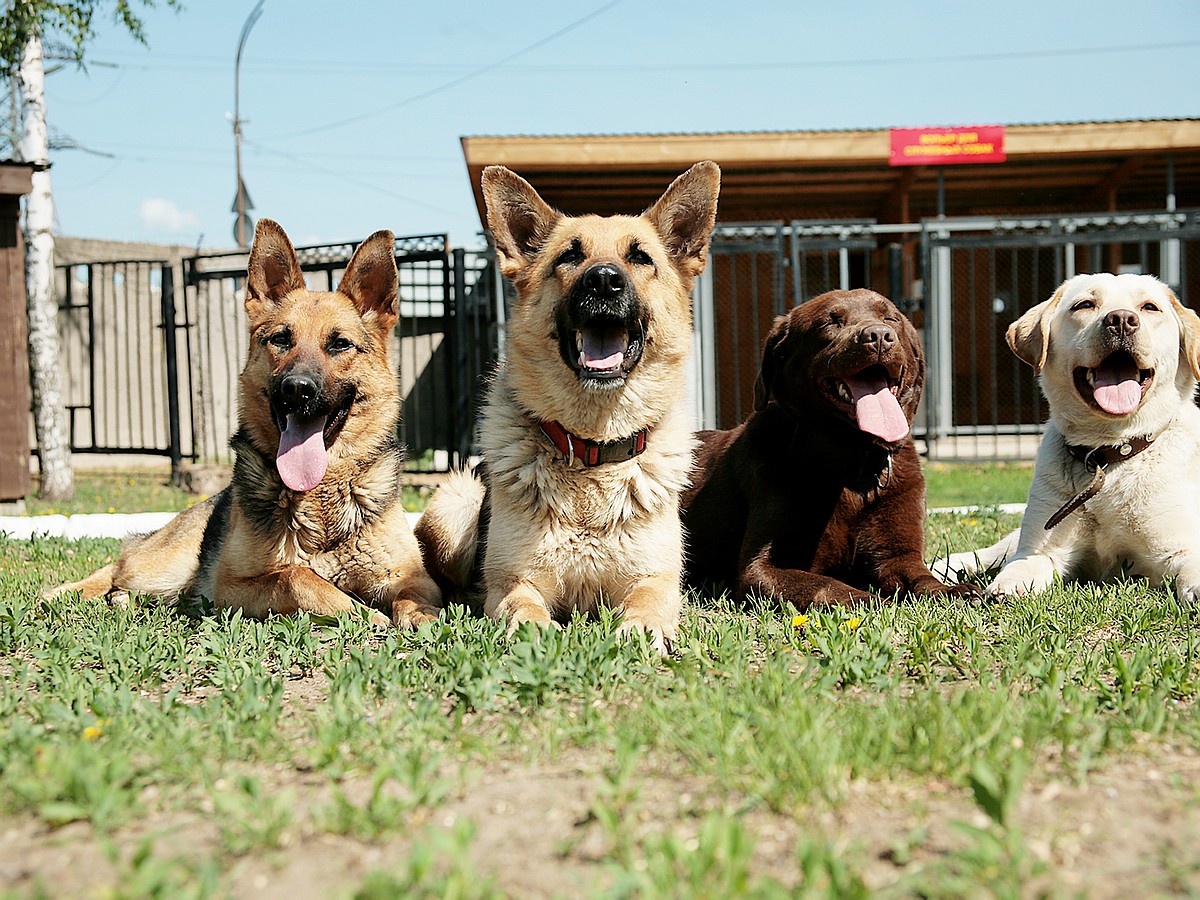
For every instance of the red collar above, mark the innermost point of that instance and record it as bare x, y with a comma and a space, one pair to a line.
593, 453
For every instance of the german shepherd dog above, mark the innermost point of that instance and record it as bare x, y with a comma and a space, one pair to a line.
312, 520
585, 442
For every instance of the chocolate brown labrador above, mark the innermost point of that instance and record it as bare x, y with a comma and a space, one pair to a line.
818, 498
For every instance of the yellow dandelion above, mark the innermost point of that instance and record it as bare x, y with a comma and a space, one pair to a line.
93, 732
972, 522
799, 621
852, 624
112, 509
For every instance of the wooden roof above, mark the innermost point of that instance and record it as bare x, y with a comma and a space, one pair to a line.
15, 178
1060, 167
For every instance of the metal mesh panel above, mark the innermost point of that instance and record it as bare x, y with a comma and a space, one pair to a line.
962, 282
119, 385
982, 402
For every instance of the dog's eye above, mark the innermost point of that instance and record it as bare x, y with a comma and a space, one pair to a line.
572, 256
1150, 306
280, 340
1085, 303
339, 344
639, 257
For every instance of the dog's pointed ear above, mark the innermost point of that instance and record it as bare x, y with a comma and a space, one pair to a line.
1189, 332
519, 219
1029, 336
771, 358
684, 216
370, 280
273, 270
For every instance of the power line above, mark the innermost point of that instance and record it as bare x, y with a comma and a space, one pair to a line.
295, 65
456, 81
193, 147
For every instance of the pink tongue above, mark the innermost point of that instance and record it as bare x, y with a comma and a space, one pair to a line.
877, 409
302, 459
603, 349
1116, 387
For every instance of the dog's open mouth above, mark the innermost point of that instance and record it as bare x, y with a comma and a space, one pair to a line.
872, 397
1117, 386
603, 350
305, 437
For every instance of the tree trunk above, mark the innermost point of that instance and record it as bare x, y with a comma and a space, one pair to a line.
49, 412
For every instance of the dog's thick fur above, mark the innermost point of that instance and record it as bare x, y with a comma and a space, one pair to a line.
318, 366
597, 341
819, 497
1097, 330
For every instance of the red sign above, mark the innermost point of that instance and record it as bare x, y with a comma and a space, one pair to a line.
947, 146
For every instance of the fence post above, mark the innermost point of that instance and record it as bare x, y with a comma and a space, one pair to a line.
459, 390
167, 299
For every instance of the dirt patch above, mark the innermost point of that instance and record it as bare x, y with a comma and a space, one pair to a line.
1132, 828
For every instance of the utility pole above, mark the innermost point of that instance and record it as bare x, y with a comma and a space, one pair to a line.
239, 200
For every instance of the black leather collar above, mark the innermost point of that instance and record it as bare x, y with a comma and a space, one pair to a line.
1096, 458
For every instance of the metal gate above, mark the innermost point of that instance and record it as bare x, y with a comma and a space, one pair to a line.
152, 368
961, 281
757, 271
981, 402
121, 362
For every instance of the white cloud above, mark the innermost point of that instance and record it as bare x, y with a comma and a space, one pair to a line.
160, 214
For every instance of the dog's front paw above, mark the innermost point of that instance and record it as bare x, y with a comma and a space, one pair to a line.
529, 612
662, 637
411, 614
1187, 594
967, 592
1022, 577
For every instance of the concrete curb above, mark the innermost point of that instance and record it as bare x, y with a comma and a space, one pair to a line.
967, 510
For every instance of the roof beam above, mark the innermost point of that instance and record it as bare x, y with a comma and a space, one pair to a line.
897, 197
1112, 182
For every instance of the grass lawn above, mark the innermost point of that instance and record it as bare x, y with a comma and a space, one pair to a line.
111, 492
977, 484
1044, 747
145, 491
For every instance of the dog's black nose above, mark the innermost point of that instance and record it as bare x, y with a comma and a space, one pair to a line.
882, 336
1122, 322
297, 390
604, 280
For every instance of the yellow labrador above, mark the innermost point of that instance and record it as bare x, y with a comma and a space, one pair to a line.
1117, 483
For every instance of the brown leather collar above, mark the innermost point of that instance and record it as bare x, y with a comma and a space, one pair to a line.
1098, 458
593, 453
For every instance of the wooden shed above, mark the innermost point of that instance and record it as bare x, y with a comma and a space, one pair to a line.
1065, 167
15, 181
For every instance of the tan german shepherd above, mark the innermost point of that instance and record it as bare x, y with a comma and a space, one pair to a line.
312, 520
585, 440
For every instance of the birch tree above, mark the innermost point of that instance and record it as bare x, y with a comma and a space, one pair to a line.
24, 27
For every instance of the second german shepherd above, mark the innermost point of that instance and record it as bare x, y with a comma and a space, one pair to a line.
312, 520
585, 438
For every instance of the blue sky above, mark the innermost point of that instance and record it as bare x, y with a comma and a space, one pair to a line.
354, 110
